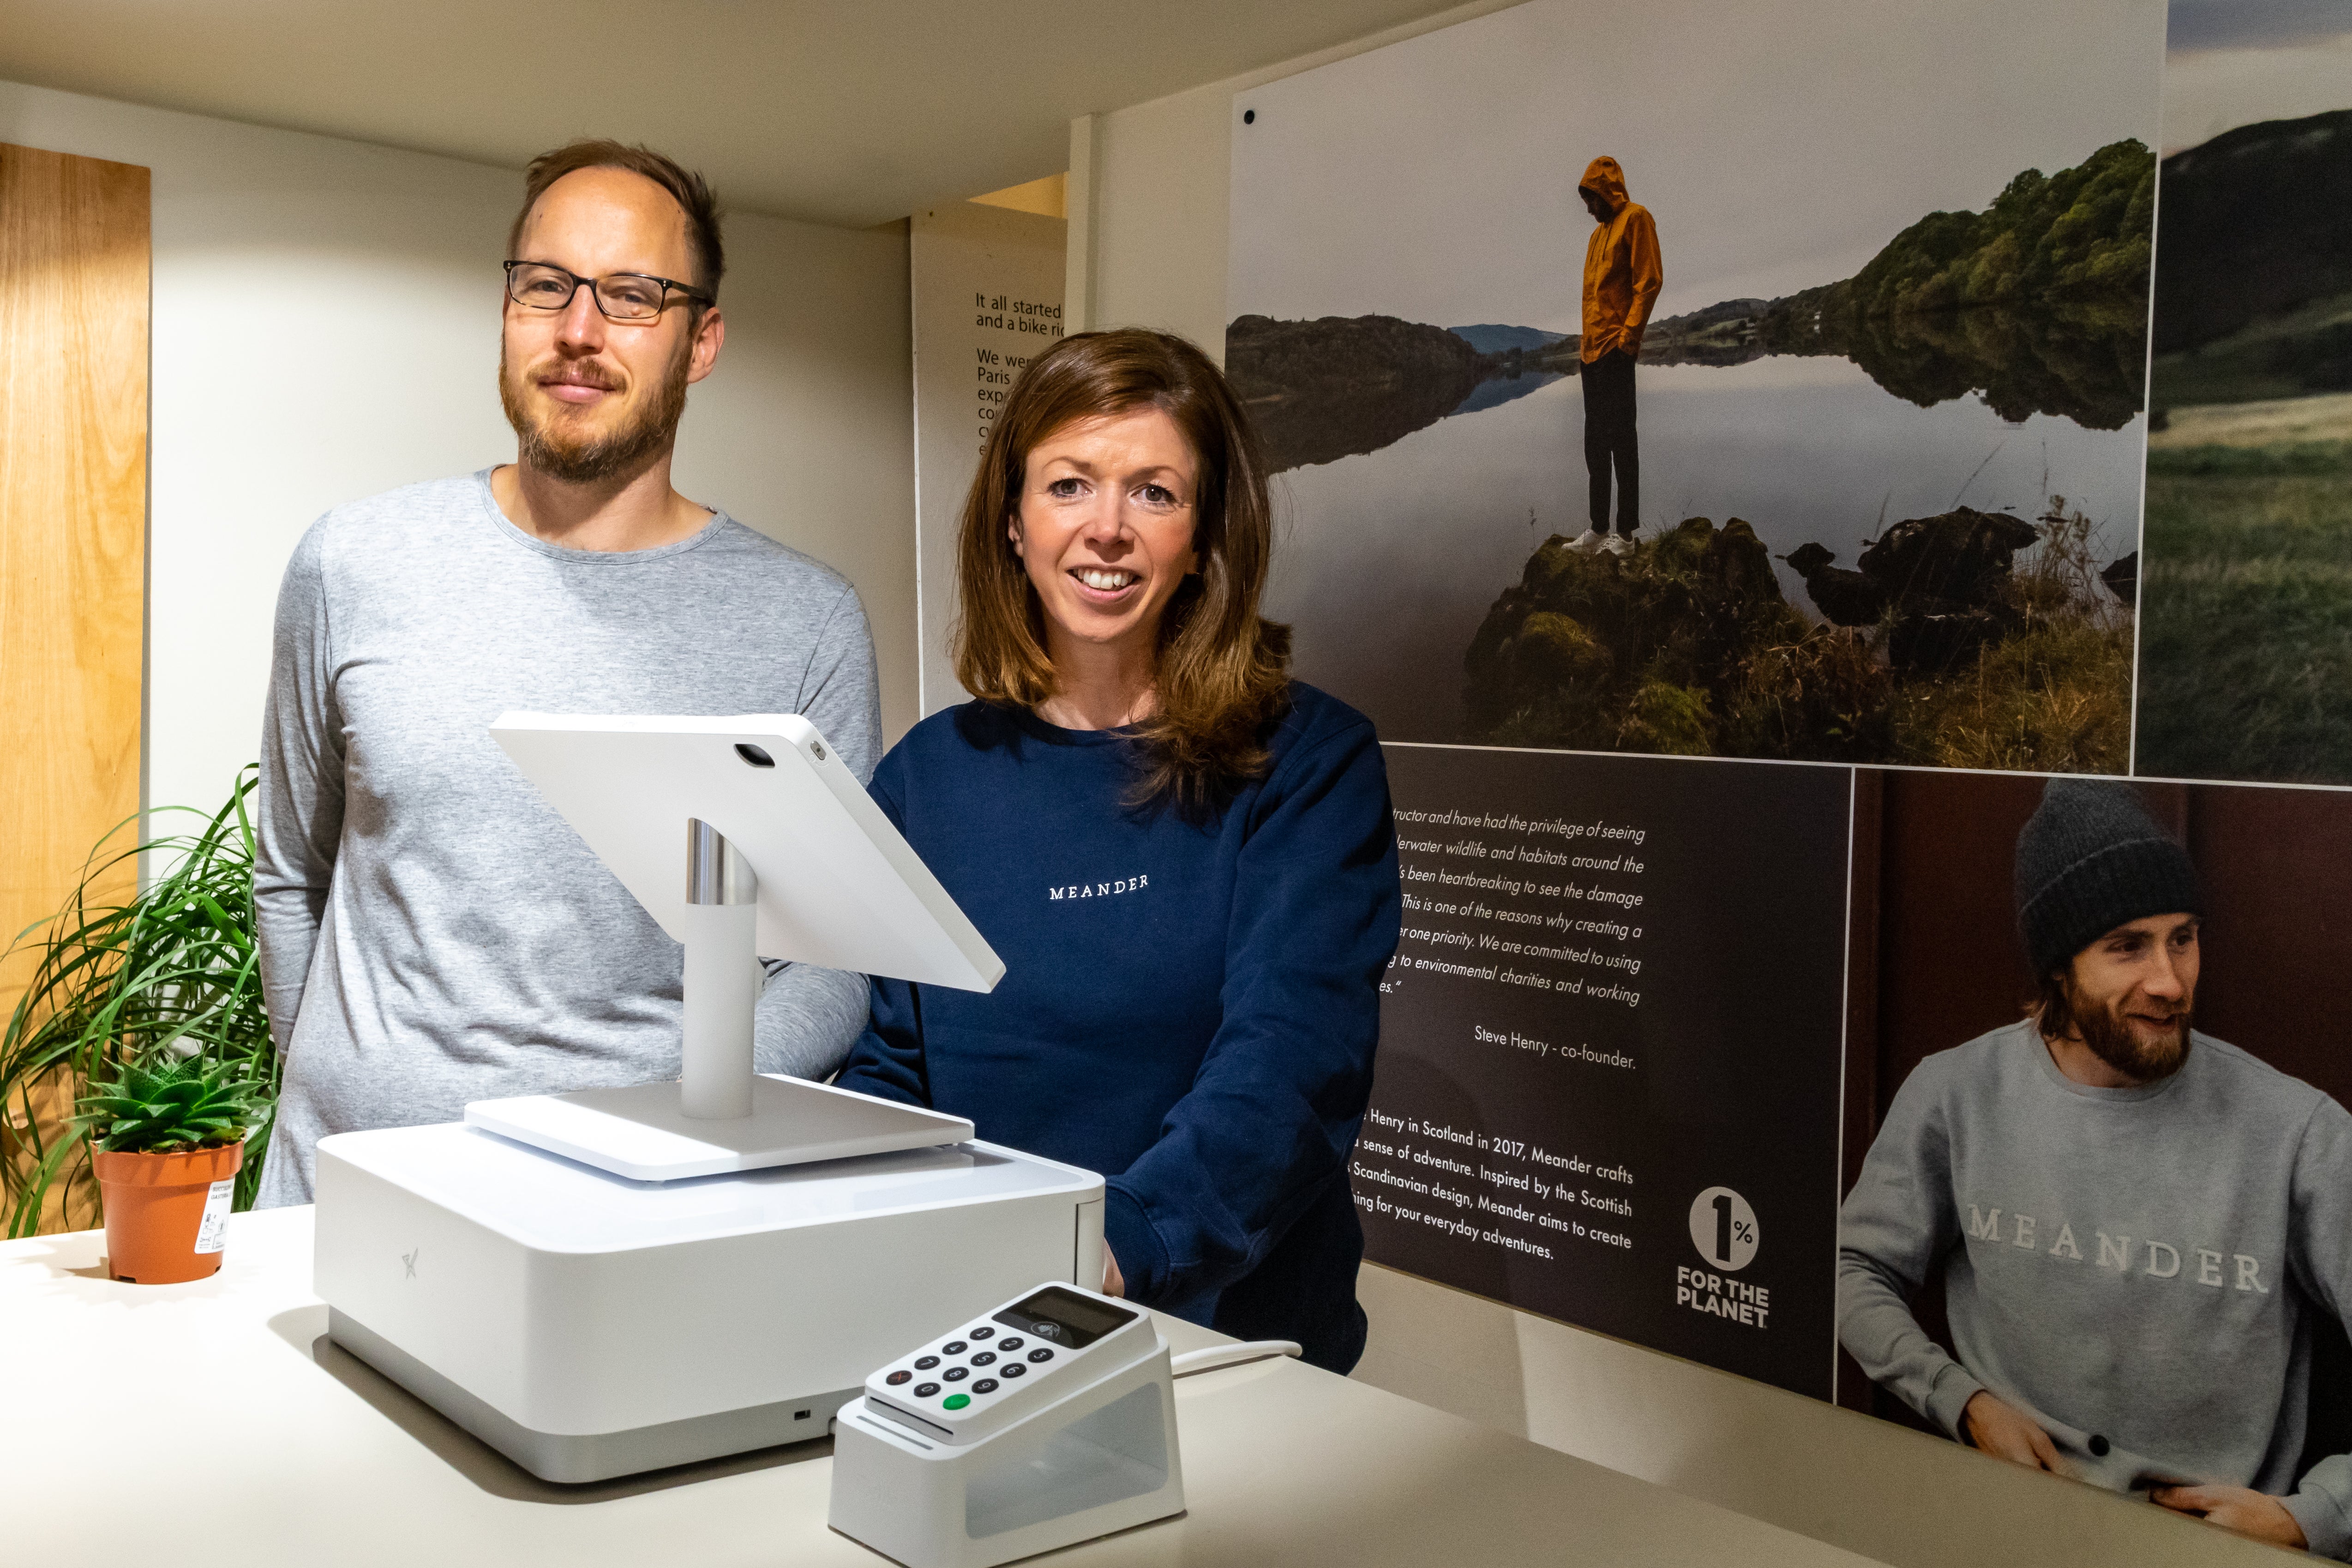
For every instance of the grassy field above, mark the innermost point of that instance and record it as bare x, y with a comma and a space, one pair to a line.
2245, 661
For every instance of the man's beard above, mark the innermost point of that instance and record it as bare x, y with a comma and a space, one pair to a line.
2115, 1042
622, 452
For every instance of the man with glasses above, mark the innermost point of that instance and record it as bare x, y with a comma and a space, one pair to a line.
431, 931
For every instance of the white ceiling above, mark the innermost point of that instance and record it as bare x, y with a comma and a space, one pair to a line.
834, 112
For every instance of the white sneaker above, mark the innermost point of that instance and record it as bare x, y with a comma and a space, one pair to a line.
1590, 543
1618, 545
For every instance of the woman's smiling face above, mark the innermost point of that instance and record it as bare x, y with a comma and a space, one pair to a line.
1105, 526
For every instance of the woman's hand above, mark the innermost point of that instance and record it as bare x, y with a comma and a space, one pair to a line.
1114, 1282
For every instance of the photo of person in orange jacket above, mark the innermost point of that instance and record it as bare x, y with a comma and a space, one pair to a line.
1621, 278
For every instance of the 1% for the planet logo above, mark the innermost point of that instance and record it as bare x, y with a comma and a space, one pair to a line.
1723, 1229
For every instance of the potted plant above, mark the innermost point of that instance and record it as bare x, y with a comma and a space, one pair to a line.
134, 969
171, 1140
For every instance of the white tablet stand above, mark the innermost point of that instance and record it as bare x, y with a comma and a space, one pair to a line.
783, 855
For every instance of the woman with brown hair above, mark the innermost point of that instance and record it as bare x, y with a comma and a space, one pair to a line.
1185, 859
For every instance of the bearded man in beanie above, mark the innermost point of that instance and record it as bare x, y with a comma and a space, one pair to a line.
2133, 1218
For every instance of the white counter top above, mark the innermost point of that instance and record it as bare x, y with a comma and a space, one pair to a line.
211, 1423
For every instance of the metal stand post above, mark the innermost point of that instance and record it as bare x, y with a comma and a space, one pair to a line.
722, 976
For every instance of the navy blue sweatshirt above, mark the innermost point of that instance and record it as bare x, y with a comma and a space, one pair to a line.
1189, 1007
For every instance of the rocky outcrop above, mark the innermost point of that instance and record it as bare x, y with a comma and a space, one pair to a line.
1847, 598
1644, 652
1688, 645
1939, 584
1947, 581
1685, 644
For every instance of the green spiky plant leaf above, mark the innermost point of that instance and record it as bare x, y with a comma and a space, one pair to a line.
170, 973
177, 1105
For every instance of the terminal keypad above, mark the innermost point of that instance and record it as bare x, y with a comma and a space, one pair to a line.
965, 1373
956, 1361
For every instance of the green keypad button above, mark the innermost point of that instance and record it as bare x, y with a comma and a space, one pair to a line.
955, 1401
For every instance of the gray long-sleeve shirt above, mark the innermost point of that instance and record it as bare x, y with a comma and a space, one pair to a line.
431, 931
2133, 1263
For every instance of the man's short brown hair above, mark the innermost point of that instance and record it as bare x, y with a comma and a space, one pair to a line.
691, 190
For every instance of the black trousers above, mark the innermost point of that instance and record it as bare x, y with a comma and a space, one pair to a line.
1609, 438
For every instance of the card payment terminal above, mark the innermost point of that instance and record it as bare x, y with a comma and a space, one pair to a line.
1048, 1421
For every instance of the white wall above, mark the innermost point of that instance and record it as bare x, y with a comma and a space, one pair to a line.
806, 431
273, 398
1148, 247
1149, 187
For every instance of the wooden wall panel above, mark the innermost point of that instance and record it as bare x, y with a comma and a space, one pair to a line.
74, 259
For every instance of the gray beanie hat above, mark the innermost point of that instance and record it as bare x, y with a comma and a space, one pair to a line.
2090, 859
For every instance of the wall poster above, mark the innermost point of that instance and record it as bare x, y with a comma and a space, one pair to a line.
987, 285
1718, 462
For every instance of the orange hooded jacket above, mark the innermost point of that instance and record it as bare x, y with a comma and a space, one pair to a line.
1622, 273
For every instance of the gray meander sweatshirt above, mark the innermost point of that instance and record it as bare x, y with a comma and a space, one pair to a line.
2133, 1263
431, 931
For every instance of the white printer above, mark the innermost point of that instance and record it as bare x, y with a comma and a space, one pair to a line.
618, 1279
589, 1326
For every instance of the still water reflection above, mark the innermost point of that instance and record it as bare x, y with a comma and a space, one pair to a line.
1387, 562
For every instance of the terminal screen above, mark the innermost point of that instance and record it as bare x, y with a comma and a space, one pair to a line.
1065, 1318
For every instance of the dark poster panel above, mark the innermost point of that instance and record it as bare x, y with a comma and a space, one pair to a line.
1609, 1076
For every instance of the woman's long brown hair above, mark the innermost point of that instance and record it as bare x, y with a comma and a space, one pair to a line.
1221, 674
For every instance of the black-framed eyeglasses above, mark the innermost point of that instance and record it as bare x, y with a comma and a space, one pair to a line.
622, 296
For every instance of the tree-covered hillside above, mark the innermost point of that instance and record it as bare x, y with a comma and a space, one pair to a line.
2039, 302
2084, 233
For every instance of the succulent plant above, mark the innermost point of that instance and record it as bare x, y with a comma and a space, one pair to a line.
177, 1104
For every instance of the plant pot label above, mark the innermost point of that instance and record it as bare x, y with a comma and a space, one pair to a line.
214, 1229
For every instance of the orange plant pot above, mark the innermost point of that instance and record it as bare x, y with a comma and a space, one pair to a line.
156, 1208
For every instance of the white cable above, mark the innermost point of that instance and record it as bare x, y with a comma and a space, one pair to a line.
1217, 1356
